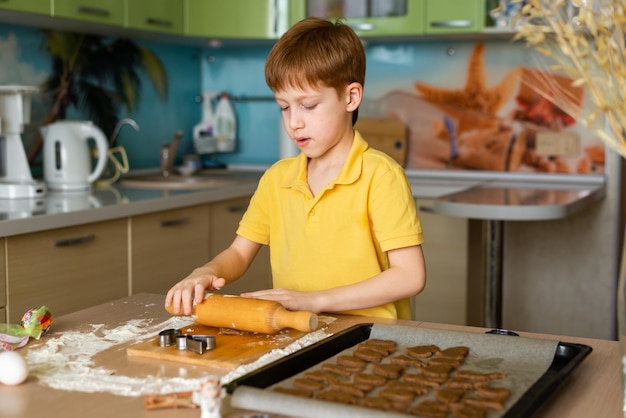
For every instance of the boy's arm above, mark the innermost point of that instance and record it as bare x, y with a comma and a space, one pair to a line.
226, 267
405, 277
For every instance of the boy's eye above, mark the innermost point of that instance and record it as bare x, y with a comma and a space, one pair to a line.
308, 107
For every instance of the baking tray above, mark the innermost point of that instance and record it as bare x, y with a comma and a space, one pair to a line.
566, 358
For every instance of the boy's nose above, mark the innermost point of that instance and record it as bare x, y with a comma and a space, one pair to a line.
294, 122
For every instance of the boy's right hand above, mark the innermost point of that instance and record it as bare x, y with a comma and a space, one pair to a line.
190, 291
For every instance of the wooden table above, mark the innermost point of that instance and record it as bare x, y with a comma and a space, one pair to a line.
593, 389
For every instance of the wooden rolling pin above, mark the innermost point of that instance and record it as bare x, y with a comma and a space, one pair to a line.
245, 314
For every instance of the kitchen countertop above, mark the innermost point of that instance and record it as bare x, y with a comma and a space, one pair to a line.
507, 196
480, 195
593, 389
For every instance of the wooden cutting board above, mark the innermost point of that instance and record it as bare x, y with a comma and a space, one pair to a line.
386, 135
231, 351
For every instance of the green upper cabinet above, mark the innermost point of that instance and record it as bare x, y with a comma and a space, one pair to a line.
238, 19
165, 16
372, 18
454, 16
30, 6
109, 12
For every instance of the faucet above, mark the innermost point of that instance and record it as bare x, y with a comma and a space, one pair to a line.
119, 125
168, 154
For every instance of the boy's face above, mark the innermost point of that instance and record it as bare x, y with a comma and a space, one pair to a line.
319, 120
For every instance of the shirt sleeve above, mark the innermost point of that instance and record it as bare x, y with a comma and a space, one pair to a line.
395, 222
254, 224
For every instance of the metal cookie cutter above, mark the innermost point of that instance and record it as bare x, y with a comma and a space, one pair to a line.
196, 343
168, 337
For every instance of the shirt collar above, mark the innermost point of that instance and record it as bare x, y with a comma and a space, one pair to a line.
296, 174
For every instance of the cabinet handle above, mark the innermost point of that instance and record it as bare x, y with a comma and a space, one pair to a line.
426, 209
88, 10
74, 241
363, 27
451, 24
237, 209
159, 22
175, 222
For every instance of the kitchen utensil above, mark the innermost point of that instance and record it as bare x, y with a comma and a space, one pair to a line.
247, 314
16, 181
386, 135
231, 349
67, 157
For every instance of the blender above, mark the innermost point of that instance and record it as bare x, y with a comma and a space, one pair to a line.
16, 180
20, 194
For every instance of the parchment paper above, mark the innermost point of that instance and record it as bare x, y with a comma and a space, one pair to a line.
524, 360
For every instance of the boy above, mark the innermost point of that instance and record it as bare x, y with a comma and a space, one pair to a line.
339, 218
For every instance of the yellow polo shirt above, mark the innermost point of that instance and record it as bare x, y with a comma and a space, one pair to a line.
340, 236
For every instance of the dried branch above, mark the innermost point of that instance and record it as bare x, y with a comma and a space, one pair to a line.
586, 40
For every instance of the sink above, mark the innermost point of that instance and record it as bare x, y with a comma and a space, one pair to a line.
206, 179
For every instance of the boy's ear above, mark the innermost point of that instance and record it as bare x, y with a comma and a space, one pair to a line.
354, 96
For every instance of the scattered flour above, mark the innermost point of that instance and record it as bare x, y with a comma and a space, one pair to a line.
65, 361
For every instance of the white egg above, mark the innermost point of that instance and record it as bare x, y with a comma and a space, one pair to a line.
13, 368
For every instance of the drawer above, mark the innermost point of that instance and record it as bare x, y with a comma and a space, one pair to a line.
162, 16
29, 6
110, 12
67, 269
167, 246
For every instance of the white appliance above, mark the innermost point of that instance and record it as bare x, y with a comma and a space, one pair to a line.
67, 163
16, 181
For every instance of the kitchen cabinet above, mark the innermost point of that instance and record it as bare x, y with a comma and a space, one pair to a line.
109, 12
453, 16
3, 284
29, 6
67, 269
164, 16
237, 19
225, 217
397, 18
166, 246
445, 251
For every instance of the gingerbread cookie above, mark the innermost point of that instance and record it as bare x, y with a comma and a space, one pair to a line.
430, 409
406, 361
499, 394
421, 380
336, 369
450, 395
295, 392
368, 355
308, 384
370, 379
389, 371
422, 351
458, 353
347, 388
397, 395
352, 363
334, 396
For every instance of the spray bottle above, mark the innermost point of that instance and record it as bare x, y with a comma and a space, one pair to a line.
204, 139
225, 125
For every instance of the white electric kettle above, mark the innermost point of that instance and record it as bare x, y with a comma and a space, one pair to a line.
66, 154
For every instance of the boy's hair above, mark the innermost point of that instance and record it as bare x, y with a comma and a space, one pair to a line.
316, 52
